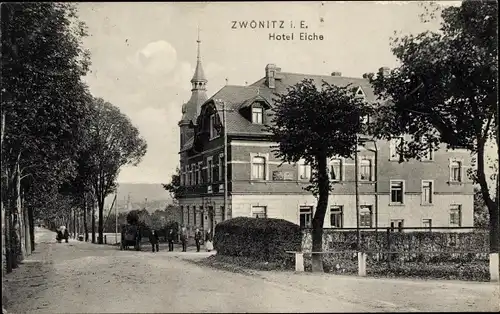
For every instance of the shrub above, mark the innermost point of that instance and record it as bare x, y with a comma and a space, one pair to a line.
262, 239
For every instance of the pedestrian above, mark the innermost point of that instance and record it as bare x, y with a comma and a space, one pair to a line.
209, 238
66, 235
184, 237
154, 239
197, 238
170, 239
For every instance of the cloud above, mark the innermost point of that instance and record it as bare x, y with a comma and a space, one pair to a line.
156, 58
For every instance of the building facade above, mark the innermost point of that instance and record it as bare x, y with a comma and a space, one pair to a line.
433, 192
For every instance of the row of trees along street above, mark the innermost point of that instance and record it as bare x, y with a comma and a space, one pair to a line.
444, 92
62, 148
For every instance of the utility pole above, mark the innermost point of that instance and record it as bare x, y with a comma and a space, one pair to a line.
224, 135
116, 220
356, 191
225, 159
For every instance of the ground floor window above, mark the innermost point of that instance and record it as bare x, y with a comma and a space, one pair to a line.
306, 216
427, 223
259, 212
397, 224
365, 216
456, 216
336, 217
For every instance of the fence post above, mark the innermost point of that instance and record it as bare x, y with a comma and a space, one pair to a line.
361, 264
388, 235
299, 261
494, 267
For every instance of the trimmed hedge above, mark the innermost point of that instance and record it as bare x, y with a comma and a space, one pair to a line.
262, 239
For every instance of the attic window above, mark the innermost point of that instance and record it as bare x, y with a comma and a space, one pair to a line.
360, 93
213, 130
257, 113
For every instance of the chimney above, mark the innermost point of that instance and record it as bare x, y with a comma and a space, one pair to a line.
385, 71
271, 70
336, 73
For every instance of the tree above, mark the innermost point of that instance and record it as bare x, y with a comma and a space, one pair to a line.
316, 124
43, 105
445, 91
114, 142
481, 215
174, 187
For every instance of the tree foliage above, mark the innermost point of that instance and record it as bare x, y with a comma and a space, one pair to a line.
44, 105
445, 90
174, 187
315, 124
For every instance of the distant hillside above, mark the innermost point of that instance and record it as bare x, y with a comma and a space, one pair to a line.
149, 195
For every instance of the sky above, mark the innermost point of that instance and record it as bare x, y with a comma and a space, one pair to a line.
143, 55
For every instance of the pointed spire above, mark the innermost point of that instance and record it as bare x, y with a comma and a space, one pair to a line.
199, 42
198, 79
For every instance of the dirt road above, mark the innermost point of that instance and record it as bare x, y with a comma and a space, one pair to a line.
79, 277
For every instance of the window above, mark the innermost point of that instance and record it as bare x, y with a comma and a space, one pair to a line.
221, 166
397, 192
427, 223
456, 216
365, 171
304, 170
257, 114
187, 208
188, 175
336, 217
397, 223
194, 215
336, 169
213, 130
455, 171
195, 172
365, 216
223, 213
395, 144
427, 192
258, 168
209, 169
259, 212
182, 216
201, 175
182, 176
306, 216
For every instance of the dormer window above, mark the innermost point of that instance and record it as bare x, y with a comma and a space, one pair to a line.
213, 131
257, 115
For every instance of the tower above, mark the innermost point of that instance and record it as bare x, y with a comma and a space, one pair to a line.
191, 109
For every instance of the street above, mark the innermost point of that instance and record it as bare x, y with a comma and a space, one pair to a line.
79, 277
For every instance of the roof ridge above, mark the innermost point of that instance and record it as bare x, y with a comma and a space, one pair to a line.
325, 75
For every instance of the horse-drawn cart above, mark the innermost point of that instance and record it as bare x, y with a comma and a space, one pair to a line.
131, 236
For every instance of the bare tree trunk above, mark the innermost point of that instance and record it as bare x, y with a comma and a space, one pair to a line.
93, 222
100, 204
18, 218
74, 223
85, 225
27, 227
319, 215
32, 228
493, 207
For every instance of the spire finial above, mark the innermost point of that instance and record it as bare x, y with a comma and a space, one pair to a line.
198, 41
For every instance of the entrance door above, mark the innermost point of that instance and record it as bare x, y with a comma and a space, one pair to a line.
209, 219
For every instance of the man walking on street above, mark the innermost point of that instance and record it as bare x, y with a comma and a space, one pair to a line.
197, 239
170, 239
154, 239
184, 238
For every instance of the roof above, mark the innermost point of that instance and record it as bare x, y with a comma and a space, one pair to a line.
199, 74
290, 79
235, 97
